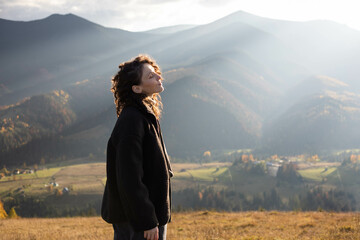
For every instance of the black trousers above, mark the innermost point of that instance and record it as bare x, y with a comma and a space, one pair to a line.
124, 231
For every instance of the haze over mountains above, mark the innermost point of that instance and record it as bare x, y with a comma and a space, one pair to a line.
240, 82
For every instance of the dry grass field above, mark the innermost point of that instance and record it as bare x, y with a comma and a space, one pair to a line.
200, 225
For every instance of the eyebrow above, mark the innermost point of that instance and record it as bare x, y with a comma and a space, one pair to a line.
152, 71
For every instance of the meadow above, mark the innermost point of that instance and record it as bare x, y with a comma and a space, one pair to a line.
317, 174
199, 225
85, 178
89, 178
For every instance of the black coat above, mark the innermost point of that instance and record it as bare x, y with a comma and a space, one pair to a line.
137, 189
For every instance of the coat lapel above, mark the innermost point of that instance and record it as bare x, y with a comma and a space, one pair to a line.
148, 112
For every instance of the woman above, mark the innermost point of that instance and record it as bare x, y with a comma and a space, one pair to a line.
137, 197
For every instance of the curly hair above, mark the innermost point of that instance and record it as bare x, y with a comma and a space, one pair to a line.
130, 74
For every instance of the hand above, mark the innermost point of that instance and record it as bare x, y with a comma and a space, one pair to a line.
152, 234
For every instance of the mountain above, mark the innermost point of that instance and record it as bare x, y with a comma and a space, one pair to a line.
189, 46
242, 81
324, 117
170, 29
34, 118
322, 47
209, 103
52, 53
50, 126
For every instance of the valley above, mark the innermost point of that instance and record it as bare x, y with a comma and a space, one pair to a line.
75, 188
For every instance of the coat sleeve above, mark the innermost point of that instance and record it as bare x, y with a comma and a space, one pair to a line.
129, 171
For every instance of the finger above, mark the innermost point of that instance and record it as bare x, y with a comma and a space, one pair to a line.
155, 234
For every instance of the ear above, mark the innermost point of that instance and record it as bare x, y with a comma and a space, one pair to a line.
136, 89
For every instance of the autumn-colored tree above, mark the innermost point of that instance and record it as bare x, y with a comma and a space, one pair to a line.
200, 195
312, 159
353, 158
251, 158
244, 158
315, 157
207, 154
3, 213
12, 213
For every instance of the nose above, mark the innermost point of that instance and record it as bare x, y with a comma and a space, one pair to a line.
158, 77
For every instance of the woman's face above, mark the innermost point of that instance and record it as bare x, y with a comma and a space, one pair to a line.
151, 82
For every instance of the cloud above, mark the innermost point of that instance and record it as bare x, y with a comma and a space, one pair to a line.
214, 3
152, 2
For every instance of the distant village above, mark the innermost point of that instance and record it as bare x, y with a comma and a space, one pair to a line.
4, 172
275, 162
12, 176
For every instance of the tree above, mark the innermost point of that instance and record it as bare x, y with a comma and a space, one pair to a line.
5, 171
3, 213
207, 156
36, 167
42, 161
288, 173
353, 158
12, 213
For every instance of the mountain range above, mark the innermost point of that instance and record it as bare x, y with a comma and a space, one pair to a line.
242, 81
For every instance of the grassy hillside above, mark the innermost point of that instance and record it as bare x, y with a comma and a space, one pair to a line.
58, 125
82, 178
317, 174
200, 225
317, 122
33, 118
204, 174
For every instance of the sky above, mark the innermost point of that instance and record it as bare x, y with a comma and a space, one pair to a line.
140, 15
